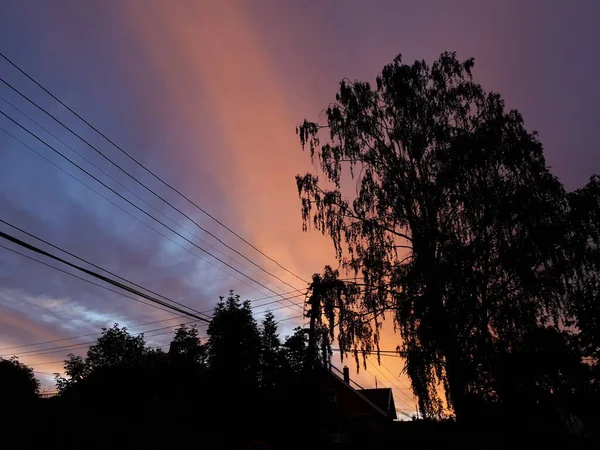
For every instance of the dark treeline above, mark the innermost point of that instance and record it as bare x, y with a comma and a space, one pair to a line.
241, 384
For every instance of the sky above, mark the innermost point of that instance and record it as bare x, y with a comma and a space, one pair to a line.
207, 95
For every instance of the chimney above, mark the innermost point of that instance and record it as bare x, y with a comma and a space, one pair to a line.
346, 375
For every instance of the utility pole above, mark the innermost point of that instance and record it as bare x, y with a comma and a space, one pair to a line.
315, 307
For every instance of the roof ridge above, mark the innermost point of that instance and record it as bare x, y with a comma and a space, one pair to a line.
358, 393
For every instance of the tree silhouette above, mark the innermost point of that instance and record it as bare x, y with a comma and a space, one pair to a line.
233, 346
455, 228
271, 353
585, 277
76, 369
186, 347
17, 382
295, 349
116, 347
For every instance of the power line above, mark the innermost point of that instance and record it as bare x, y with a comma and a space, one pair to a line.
395, 376
124, 210
383, 352
391, 382
102, 277
121, 184
160, 346
268, 303
133, 204
85, 344
97, 333
96, 266
78, 345
300, 294
362, 388
342, 373
82, 345
62, 361
279, 307
387, 353
148, 171
172, 188
83, 335
83, 279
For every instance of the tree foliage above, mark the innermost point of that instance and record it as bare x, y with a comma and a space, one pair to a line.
233, 346
186, 347
272, 358
17, 381
585, 278
457, 227
116, 347
76, 369
295, 350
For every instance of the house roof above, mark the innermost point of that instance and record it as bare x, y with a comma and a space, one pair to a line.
383, 398
381, 408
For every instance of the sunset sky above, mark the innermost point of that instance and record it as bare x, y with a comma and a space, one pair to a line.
207, 95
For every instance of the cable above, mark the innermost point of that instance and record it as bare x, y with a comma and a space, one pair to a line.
206, 311
83, 279
144, 167
122, 185
399, 400
160, 346
101, 277
383, 352
352, 381
405, 387
84, 344
133, 204
83, 335
290, 318
125, 211
142, 184
274, 309
392, 383
400, 390
96, 266
275, 301
97, 333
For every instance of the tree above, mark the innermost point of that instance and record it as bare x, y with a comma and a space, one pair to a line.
116, 347
233, 346
538, 381
17, 381
456, 228
585, 278
271, 355
295, 350
186, 348
76, 368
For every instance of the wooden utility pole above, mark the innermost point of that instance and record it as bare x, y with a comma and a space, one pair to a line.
315, 307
